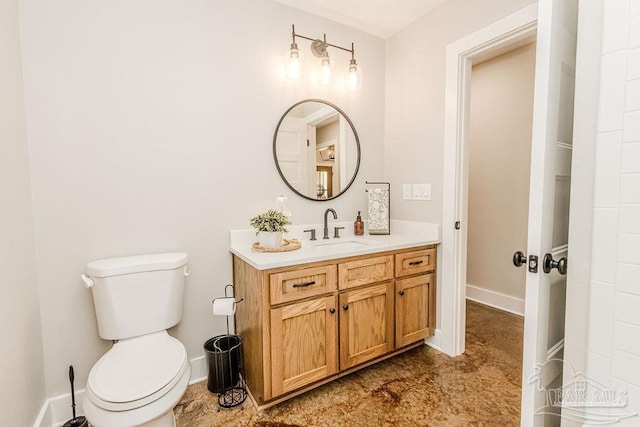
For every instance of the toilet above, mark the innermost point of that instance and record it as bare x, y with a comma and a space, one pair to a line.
143, 376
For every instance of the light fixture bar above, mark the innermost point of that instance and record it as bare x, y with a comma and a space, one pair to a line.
324, 41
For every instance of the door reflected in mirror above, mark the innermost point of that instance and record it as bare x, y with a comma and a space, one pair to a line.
316, 150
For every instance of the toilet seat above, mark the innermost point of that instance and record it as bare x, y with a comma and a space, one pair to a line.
157, 413
137, 371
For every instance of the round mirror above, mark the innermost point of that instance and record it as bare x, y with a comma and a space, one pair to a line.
316, 150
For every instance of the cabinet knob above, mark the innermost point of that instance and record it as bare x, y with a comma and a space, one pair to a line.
346, 306
401, 293
332, 310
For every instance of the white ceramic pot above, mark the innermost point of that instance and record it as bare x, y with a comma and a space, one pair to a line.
270, 239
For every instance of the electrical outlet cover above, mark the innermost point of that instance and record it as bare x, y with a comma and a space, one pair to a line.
421, 191
406, 192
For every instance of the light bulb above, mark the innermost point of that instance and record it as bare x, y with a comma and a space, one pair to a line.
325, 70
282, 205
293, 62
353, 79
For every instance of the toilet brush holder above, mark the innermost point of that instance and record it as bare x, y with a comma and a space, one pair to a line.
75, 421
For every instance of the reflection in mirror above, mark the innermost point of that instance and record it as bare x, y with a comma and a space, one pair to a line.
316, 150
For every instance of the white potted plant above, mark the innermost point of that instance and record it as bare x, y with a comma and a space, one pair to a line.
270, 226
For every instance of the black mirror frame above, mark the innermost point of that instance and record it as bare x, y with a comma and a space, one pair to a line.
355, 134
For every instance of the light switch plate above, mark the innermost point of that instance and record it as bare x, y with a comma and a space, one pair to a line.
406, 192
421, 191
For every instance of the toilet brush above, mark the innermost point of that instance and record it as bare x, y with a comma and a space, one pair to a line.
76, 421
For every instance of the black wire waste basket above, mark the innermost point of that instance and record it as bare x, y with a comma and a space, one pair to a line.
225, 360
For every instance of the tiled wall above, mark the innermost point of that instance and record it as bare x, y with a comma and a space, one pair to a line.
614, 325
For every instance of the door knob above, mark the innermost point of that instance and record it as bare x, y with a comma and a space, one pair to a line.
345, 307
401, 293
332, 310
519, 259
548, 264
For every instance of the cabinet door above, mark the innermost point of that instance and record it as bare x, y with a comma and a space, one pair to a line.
366, 324
412, 309
303, 343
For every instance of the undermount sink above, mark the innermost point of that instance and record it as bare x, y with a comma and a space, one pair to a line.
342, 244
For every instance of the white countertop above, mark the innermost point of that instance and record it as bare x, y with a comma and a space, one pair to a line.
404, 234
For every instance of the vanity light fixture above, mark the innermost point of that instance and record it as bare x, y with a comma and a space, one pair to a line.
327, 153
294, 61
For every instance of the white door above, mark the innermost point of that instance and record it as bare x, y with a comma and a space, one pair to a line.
548, 210
293, 153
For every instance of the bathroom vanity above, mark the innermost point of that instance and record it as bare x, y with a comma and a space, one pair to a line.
335, 306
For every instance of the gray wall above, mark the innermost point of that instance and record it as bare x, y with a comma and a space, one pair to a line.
21, 368
150, 127
499, 163
415, 84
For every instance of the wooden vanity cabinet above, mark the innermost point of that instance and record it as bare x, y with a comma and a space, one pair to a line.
305, 325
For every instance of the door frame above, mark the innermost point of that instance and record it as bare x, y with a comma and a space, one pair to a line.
500, 37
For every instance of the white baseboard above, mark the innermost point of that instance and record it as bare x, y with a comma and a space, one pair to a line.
199, 370
434, 340
57, 410
495, 299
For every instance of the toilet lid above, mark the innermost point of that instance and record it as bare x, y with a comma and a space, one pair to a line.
137, 367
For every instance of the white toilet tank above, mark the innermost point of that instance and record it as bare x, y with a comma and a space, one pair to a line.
137, 295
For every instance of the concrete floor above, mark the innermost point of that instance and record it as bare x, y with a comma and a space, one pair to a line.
421, 387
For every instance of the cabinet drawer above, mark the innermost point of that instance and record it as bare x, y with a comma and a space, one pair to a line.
415, 262
297, 284
364, 271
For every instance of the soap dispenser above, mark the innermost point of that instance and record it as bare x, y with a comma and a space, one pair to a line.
358, 226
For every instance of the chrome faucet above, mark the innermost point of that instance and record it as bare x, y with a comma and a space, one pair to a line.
326, 228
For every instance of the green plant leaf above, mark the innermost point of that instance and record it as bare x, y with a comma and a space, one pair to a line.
271, 220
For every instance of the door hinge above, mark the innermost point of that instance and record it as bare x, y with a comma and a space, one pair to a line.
307, 142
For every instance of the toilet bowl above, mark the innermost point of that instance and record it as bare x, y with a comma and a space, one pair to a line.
144, 375
138, 382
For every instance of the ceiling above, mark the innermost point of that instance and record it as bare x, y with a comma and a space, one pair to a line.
382, 18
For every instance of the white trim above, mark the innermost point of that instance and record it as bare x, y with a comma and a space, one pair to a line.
44, 416
199, 370
434, 340
587, 92
494, 38
495, 299
56, 410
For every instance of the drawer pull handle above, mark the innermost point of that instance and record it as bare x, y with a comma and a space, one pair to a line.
416, 262
401, 293
304, 285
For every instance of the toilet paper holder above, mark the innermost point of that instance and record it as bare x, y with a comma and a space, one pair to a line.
223, 308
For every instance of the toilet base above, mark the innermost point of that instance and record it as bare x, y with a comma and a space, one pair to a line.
167, 420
